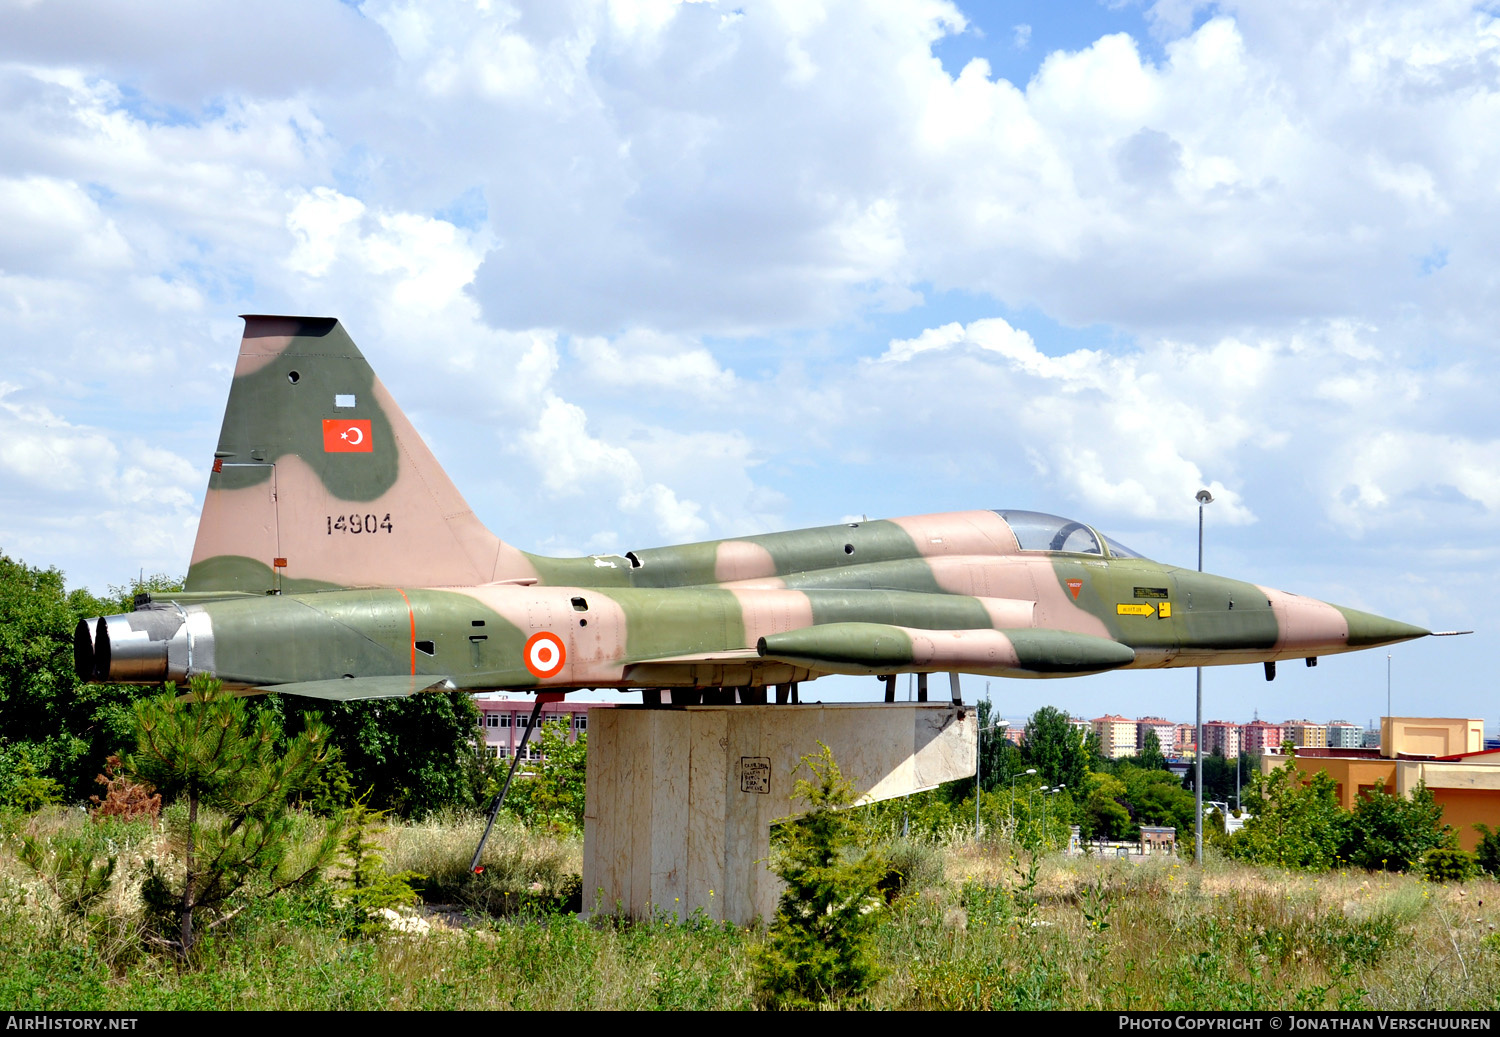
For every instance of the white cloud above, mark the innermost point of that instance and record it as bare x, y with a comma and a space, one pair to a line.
642, 359
573, 463
629, 255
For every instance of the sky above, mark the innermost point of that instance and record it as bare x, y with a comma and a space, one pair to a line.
646, 273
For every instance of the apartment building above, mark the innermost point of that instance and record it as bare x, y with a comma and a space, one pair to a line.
1116, 736
1221, 738
1344, 735
1258, 736
1305, 733
1185, 739
1166, 733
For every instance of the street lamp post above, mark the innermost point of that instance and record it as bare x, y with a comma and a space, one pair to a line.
979, 762
1049, 792
1204, 497
1013, 779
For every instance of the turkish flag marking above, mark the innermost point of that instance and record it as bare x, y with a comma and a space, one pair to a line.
1075, 586
347, 436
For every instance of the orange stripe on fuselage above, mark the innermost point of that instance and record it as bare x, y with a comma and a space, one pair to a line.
413, 617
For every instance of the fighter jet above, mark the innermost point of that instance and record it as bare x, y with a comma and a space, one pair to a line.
335, 559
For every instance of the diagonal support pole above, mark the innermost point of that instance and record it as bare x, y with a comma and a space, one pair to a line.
515, 762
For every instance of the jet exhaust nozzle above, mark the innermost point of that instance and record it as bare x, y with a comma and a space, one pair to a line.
149, 646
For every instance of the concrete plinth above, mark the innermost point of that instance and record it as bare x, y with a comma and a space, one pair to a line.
681, 799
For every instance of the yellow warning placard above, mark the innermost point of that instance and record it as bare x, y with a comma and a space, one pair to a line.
1135, 608
1164, 610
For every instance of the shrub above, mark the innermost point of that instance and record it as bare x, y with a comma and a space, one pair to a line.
1446, 864
821, 945
1391, 833
372, 889
124, 798
1295, 822
1488, 851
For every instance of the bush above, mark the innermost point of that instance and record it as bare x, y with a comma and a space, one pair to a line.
1295, 822
1446, 864
123, 798
1487, 853
1392, 833
821, 945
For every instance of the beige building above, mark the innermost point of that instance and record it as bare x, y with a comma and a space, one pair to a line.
1116, 736
1446, 753
1305, 733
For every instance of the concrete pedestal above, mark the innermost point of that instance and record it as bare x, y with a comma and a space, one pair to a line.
681, 799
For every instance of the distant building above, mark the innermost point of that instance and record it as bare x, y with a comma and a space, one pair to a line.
1305, 733
1221, 738
1344, 735
1166, 733
1258, 736
1116, 736
503, 722
1015, 735
1185, 739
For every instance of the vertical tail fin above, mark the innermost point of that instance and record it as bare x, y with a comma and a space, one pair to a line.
320, 481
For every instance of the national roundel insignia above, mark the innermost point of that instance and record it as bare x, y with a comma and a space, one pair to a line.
545, 655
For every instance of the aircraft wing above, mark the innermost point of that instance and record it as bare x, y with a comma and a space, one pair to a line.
349, 689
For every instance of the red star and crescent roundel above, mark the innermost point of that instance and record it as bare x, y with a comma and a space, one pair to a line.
347, 436
545, 655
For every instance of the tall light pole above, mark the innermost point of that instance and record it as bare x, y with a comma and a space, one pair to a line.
1013, 778
1204, 497
979, 760
1049, 792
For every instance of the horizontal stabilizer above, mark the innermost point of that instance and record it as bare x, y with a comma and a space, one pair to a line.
350, 689
877, 648
146, 598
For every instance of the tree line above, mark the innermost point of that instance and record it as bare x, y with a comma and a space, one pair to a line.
410, 756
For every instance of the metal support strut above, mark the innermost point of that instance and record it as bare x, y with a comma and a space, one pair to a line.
515, 762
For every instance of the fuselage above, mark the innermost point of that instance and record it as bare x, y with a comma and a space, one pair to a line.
1006, 593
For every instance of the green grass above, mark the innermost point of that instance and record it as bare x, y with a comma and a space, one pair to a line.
974, 928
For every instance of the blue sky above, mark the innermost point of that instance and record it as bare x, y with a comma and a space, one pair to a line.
647, 272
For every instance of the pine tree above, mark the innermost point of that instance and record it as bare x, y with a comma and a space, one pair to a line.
205, 749
820, 945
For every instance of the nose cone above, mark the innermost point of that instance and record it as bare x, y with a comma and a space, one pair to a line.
1366, 630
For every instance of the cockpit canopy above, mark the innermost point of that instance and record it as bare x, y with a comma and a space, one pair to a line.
1036, 531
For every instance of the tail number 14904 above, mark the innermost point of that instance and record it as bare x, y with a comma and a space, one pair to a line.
358, 524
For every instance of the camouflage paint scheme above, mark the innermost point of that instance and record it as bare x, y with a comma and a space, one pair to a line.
335, 558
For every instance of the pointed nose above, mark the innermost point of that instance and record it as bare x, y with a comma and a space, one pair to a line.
1366, 630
